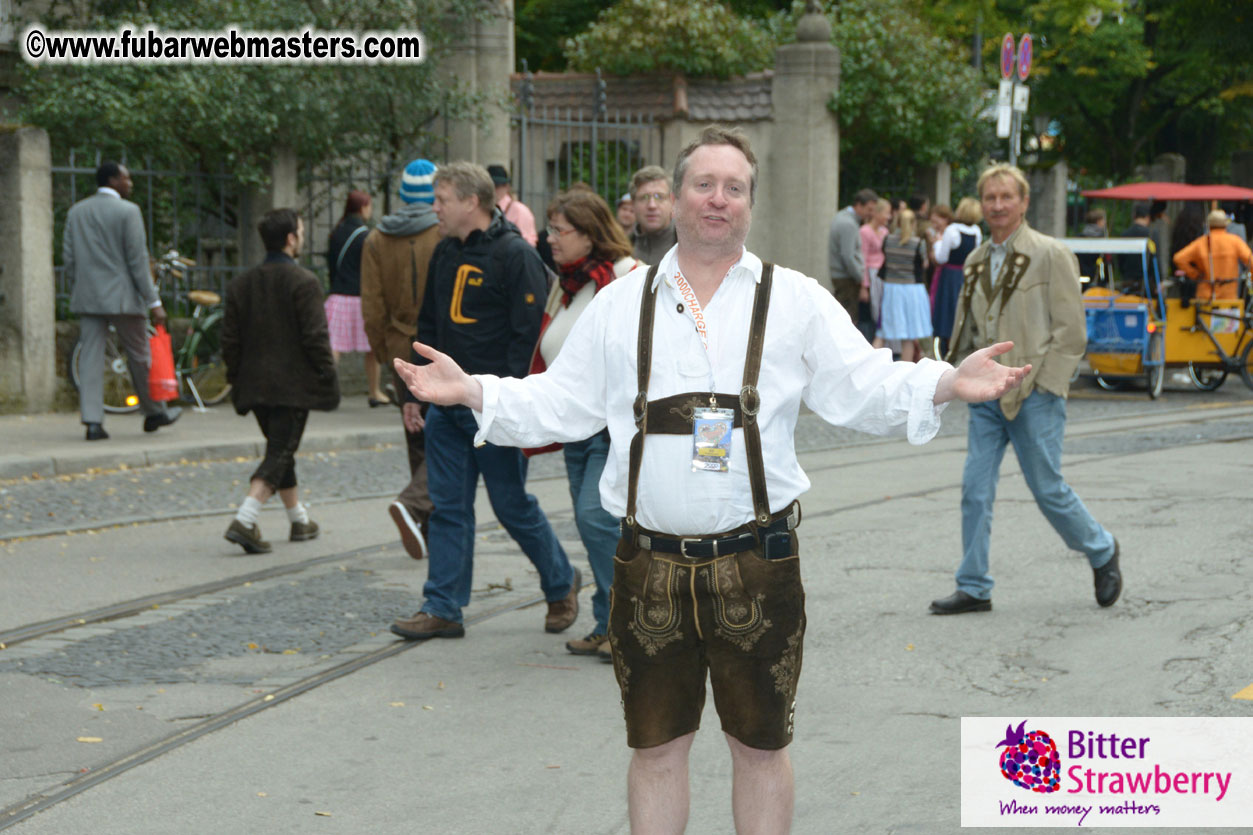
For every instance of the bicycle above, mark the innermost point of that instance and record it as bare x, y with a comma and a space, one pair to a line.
198, 364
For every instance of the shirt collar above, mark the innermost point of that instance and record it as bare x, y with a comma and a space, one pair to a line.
278, 258
748, 263
1008, 244
112, 192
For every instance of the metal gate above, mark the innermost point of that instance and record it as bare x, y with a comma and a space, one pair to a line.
555, 147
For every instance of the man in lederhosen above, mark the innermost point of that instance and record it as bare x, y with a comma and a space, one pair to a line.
707, 578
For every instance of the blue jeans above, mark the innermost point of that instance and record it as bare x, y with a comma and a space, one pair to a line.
585, 461
453, 467
1036, 434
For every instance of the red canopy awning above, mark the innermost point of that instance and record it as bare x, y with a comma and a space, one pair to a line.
1171, 191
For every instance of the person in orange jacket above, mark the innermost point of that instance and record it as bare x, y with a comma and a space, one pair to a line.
1213, 260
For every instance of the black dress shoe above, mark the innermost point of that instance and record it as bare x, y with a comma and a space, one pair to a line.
959, 603
95, 432
1108, 580
154, 422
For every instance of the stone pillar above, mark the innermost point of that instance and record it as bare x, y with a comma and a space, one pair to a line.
1165, 168
937, 183
1047, 210
484, 65
801, 178
27, 284
283, 192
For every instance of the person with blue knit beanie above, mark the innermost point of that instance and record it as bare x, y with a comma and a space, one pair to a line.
417, 183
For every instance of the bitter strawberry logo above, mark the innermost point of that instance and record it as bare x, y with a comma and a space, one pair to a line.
1030, 760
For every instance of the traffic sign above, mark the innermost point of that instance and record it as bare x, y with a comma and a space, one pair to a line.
1007, 55
1024, 58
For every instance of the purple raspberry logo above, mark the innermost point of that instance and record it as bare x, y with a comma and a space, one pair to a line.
1030, 759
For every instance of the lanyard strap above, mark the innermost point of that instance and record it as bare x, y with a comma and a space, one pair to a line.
749, 399
693, 304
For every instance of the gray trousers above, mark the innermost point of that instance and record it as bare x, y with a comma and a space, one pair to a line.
132, 333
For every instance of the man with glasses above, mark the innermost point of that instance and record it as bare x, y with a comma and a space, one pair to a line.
654, 214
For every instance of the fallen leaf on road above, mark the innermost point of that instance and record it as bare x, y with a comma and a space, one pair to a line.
909, 647
441, 685
269, 698
427, 707
90, 739
98, 706
295, 651
396, 704
323, 814
262, 794
552, 766
252, 645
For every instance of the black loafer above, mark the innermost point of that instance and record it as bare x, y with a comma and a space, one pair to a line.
959, 603
95, 432
1107, 580
154, 422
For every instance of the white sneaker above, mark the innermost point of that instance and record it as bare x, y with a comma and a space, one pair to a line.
410, 532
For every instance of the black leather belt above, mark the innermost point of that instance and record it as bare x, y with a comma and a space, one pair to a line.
706, 547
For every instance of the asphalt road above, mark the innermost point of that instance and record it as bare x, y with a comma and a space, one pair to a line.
504, 732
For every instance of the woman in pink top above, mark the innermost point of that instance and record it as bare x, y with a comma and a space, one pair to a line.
872, 233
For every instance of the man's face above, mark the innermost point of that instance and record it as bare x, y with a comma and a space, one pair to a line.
1003, 206
121, 181
296, 240
713, 210
453, 212
626, 214
654, 205
865, 211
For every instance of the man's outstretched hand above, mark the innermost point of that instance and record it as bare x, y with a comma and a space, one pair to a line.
441, 382
980, 377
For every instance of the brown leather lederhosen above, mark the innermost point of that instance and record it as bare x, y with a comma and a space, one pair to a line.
673, 415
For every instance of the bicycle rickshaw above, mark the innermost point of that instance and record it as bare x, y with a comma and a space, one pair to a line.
1143, 330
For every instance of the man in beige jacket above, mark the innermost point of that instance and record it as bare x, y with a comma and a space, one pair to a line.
394, 264
1022, 286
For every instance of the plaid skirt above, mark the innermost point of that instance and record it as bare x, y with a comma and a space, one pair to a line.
343, 318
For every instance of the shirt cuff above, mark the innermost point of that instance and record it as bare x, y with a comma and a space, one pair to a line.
491, 397
924, 414
157, 303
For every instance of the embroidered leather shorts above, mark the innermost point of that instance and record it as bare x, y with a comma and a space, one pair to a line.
739, 617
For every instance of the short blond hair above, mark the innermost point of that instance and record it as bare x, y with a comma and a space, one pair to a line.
1004, 169
469, 179
968, 211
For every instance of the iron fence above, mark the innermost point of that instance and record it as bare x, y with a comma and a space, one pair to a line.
195, 212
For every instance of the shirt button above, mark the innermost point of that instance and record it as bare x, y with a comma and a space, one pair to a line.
680, 307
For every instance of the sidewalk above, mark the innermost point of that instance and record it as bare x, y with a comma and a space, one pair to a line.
52, 444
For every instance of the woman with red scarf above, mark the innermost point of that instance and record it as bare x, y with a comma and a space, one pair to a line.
590, 250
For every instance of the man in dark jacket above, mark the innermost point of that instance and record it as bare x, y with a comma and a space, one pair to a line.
393, 285
279, 363
485, 296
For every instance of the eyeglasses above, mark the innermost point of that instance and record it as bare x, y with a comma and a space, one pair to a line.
554, 232
655, 197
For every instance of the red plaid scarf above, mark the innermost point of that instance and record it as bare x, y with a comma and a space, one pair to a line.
577, 273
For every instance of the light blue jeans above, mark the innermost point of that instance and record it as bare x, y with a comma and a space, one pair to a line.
1036, 434
585, 461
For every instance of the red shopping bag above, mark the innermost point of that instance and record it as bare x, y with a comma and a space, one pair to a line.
162, 384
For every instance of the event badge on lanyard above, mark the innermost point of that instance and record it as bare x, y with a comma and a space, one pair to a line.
711, 426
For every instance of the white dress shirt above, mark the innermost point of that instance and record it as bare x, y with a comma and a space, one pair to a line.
812, 353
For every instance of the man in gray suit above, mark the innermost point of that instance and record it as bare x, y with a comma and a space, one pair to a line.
844, 256
106, 261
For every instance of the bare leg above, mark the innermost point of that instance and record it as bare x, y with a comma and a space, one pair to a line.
373, 377
259, 490
762, 790
290, 496
878, 342
909, 350
335, 356
657, 789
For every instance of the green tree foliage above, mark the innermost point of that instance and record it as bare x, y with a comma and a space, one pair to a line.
233, 115
692, 37
543, 27
1143, 78
908, 97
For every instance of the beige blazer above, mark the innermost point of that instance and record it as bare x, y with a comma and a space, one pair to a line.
1036, 302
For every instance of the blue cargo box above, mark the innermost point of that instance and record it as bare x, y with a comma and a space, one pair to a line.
1117, 329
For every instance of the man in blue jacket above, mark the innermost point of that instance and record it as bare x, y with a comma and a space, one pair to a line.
484, 301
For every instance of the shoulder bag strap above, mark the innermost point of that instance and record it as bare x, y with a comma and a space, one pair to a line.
750, 399
643, 365
344, 249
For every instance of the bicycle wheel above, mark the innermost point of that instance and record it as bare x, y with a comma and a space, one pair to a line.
201, 364
119, 390
1246, 365
1155, 375
1206, 379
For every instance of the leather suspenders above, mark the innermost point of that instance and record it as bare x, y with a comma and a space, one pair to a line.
673, 415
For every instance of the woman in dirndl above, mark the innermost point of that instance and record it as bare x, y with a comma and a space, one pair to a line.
960, 238
343, 304
906, 307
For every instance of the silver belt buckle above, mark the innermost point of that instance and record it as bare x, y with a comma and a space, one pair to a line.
683, 541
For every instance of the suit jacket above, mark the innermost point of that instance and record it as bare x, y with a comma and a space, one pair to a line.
844, 256
1036, 302
275, 340
105, 253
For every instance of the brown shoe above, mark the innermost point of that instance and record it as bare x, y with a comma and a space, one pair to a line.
410, 530
605, 653
423, 625
562, 613
303, 531
247, 538
588, 644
